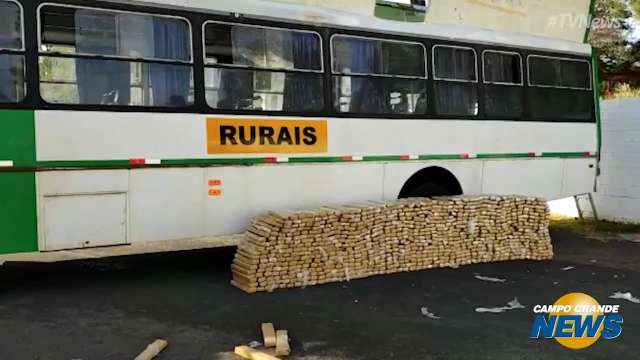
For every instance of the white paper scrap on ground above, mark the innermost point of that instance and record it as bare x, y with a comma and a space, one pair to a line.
490, 279
568, 268
625, 296
425, 311
511, 305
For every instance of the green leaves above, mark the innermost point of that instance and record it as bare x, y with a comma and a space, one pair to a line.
617, 52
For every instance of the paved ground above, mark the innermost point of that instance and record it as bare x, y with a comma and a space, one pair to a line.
111, 309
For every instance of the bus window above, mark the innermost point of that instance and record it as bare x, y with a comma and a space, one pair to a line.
262, 68
12, 67
559, 73
456, 77
503, 95
101, 57
560, 88
375, 76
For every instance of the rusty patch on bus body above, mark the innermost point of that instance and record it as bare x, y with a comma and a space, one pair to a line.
266, 136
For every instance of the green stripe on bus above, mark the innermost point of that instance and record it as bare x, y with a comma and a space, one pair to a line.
440, 157
98, 164
83, 164
310, 159
225, 161
18, 137
18, 220
565, 155
595, 65
18, 223
382, 158
504, 156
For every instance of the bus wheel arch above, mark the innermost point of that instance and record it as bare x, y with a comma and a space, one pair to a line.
431, 181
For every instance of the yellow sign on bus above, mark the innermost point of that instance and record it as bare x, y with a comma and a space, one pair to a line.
274, 136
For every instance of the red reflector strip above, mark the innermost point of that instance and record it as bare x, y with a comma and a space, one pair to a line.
272, 160
465, 156
136, 162
590, 154
347, 158
409, 157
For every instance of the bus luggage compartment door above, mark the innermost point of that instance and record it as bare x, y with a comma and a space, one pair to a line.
80, 221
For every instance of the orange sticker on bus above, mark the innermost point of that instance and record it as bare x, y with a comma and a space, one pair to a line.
266, 136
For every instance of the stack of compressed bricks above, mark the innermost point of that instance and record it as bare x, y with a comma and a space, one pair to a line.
331, 244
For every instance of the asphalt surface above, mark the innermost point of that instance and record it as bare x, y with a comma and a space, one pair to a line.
111, 309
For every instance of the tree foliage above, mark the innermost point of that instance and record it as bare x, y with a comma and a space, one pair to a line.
610, 35
635, 6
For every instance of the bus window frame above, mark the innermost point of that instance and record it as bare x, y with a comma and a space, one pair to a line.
259, 24
345, 35
260, 68
22, 30
371, 35
142, 11
433, 63
22, 51
590, 88
484, 78
113, 57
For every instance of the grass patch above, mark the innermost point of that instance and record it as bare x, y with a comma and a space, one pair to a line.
595, 229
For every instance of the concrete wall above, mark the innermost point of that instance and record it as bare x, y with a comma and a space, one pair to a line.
618, 196
566, 19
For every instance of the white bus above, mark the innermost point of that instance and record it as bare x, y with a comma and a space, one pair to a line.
127, 123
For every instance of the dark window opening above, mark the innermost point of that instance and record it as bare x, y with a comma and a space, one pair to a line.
503, 95
373, 76
455, 72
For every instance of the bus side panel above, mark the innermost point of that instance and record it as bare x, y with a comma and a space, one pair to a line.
70, 136
548, 178
17, 188
82, 208
248, 191
180, 203
167, 204
141, 205
541, 177
18, 221
579, 177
